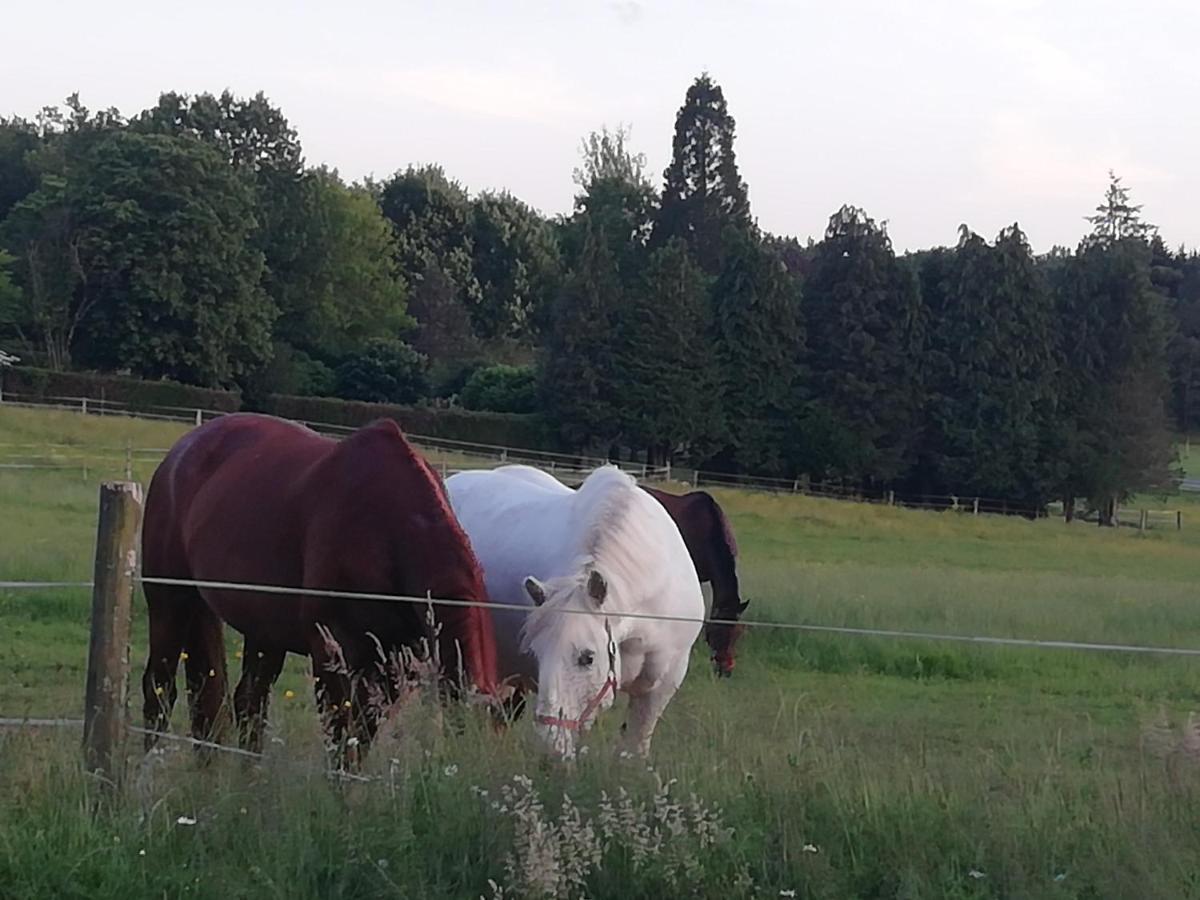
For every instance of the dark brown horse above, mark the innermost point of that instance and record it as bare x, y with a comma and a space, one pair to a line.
258, 500
709, 540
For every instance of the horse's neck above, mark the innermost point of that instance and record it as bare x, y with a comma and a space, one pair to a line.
725, 588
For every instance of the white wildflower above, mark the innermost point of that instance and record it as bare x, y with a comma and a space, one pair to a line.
787, 893
810, 848
976, 874
185, 820
450, 771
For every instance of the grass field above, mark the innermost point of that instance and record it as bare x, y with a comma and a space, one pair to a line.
842, 766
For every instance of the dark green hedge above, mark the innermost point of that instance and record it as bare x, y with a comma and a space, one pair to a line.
145, 396
501, 429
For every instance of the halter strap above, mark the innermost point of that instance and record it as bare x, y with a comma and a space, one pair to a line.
610, 684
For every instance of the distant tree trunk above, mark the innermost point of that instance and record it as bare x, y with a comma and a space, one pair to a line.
1108, 513
1069, 508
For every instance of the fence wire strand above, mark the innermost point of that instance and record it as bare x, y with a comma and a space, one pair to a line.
761, 624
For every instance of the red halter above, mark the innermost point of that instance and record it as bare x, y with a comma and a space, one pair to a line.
610, 684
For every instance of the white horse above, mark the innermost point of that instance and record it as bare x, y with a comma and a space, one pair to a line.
581, 561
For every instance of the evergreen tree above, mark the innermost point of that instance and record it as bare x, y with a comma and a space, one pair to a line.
989, 376
758, 341
1114, 331
703, 193
665, 377
865, 330
1185, 340
1116, 218
579, 379
1118, 333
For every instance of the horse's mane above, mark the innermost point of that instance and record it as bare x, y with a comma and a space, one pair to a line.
468, 626
613, 541
726, 528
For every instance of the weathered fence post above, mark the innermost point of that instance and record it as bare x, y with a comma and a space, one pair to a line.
975, 507
1142, 517
891, 498
1179, 520
104, 712
128, 461
83, 405
695, 478
199, 418
668, 470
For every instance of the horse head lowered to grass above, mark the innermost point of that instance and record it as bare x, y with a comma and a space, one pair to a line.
709, 539
256, 500
583, 563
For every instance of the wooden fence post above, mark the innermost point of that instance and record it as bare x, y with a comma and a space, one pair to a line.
199, 418
1179, 520
104, 711
1142, 517
668, 471
695, 478
975, 507
128, 461
891, 498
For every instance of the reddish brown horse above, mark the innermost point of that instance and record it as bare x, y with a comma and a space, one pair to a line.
709, 540
258, 500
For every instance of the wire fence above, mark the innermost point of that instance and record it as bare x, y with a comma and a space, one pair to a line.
760, 624
429, 601
451, 456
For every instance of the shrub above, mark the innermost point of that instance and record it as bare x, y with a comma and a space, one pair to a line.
510, 389
387, 371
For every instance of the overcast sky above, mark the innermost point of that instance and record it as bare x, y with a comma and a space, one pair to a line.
927, 114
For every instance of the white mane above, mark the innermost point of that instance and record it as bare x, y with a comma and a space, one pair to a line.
615, 536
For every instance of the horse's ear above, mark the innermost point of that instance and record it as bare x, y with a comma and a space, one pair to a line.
742, 606
536, 591
597, 587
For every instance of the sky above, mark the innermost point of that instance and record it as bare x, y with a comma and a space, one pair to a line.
927, 114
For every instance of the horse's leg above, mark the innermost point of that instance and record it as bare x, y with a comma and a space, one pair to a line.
170, 611
646, 709
261, 666
207, 680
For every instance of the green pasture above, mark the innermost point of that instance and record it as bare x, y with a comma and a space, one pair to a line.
842, 766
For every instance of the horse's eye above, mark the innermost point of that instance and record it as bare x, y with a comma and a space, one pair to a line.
586, 658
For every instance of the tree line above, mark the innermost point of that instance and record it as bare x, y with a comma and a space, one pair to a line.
192, 242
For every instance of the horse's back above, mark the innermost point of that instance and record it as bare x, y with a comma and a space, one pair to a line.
512, 521
241, 468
